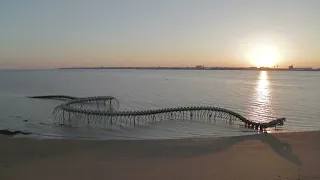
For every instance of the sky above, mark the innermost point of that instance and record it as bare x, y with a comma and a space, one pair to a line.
74, 33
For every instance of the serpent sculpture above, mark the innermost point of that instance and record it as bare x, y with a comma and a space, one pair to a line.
104, 110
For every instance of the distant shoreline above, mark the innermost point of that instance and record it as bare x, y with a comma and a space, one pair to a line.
195, 68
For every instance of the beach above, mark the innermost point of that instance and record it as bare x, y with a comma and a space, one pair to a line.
263, 156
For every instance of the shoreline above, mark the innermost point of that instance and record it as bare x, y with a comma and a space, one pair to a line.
30, 135
263, 156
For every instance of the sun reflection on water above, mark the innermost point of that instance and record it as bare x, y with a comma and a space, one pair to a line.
260, 108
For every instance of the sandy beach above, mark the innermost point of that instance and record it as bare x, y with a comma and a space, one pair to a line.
267, 156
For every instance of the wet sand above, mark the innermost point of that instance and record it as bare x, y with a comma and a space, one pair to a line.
275, 156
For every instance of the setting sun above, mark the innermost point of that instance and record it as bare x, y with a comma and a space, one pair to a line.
264, 56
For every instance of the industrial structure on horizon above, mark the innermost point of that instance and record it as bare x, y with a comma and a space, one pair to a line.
291, 68
201, 67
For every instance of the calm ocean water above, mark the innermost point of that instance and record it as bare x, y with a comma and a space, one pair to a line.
254, 94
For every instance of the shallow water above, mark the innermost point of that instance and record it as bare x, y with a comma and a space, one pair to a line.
254, 94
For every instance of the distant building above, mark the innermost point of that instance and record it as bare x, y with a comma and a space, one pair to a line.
300, 69
303, 69
264, 68
291, 67
199, 67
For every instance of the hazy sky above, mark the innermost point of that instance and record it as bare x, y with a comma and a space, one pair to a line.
63, 33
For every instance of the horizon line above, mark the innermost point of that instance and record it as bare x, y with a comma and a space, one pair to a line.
165, 67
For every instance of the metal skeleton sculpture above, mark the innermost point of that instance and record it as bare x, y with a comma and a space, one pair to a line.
103, 110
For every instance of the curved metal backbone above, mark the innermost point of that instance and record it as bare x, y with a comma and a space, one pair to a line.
104, 110
57, 97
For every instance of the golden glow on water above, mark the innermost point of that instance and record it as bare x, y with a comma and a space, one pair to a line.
260, 107
262, 89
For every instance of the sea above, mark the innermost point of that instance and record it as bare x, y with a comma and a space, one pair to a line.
256, 95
